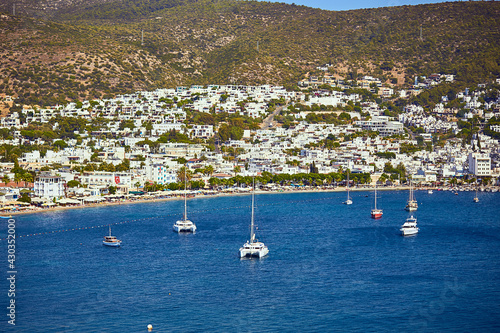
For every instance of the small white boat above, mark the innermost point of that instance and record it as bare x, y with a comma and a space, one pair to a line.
430, 191
348, 201
476, 199
184, 225
409, 227
111, 240
253, 248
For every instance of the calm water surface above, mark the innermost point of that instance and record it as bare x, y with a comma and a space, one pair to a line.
330, 267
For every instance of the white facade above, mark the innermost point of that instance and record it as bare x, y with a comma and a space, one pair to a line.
160, 174
107, 178
47, 186
202, 131
479, 164
382, 125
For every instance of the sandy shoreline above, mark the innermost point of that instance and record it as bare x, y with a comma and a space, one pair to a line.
220, 194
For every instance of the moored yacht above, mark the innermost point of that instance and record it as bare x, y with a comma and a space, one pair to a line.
111, 240
184, 225
412, 204
253, 248
409, 227
476, 199
376, 213
348, 201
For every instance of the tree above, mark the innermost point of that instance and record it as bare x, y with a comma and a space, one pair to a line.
173, 186
24, 198
17, 178
124, 165
6, 179
126, 123
184, 174
60, 144
197, 184
149, 128
27, 177
74, 183
208, 170
383, 178
214, 182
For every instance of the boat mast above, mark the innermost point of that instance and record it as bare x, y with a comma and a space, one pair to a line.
185, 191
252, 233
375, 195
347, 185
411, 192
110, 230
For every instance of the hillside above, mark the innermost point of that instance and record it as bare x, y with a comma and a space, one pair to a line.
79, 52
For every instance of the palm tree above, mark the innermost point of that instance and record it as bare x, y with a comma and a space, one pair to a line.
17, 178
181, 172
10, 153
209, 170
27, 177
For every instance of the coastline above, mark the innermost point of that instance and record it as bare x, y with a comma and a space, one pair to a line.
219, 194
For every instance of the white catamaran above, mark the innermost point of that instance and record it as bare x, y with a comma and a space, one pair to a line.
184, 225
253, 248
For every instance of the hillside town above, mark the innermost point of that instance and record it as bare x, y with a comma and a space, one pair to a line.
136, 145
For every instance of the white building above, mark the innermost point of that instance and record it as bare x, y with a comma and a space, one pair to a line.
382, 125
202, 131
48, 186
479, 164
160, 174
107, 178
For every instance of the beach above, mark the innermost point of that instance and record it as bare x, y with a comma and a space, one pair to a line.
177, 196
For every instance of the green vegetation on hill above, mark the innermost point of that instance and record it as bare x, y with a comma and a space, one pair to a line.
97, 51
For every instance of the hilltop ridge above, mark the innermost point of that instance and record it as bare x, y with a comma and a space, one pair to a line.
102, 48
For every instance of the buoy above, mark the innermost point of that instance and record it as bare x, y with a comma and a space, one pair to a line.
150, 327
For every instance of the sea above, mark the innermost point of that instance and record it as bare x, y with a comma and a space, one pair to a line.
330, 268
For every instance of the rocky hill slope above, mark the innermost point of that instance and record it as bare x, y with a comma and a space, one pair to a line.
58, 51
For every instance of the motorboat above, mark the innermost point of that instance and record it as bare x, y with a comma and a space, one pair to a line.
409, 227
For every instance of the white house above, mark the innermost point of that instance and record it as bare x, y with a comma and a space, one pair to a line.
48, 186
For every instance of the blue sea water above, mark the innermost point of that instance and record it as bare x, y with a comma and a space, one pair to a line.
331, 268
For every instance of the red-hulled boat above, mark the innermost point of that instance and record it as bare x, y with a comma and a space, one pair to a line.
376, 213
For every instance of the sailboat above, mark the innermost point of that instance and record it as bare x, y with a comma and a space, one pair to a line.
412, 204
184, 225
376, 213
348, 201
253, 248
476, 199
111, 240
